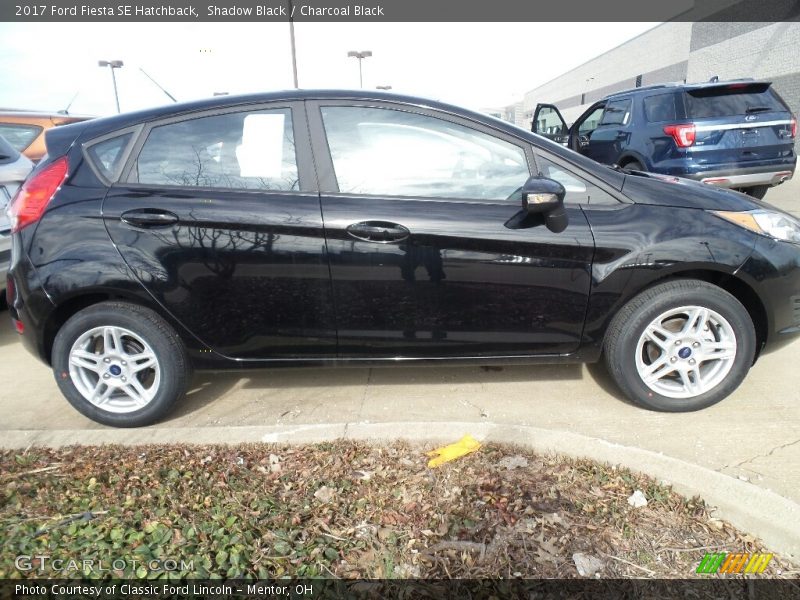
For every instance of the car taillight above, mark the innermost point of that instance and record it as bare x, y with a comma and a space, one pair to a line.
794, 126
684, 135
32, 198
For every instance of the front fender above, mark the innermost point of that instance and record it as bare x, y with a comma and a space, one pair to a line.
638, 246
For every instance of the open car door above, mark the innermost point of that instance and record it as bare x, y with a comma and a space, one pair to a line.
548, 122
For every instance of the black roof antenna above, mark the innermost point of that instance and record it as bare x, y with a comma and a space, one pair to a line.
171, 97
65, 111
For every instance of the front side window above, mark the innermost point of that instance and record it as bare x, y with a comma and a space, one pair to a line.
579, 190
244, 150
617, 113
388, 152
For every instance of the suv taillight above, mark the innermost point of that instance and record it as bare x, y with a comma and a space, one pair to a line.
684, 135
32, 199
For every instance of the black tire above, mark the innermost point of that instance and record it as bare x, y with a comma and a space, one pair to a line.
756, 191
630, 323
175, 369
634, 165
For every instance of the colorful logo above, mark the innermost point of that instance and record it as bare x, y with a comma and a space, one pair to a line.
743, 562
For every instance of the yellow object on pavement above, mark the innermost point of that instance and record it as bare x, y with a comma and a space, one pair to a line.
445, 454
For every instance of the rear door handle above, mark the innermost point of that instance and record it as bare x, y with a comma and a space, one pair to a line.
149, 217
378, 231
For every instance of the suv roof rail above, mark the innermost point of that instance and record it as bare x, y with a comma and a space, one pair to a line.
675, 84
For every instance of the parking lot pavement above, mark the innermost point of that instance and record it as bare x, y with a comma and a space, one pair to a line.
752, 435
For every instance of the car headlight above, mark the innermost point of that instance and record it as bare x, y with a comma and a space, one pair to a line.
765, 222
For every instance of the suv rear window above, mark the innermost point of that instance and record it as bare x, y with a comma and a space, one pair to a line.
19, 136
736, 99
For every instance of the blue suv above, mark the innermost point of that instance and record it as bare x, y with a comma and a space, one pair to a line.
735, 134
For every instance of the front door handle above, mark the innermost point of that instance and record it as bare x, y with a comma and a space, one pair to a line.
149, 217
378, 231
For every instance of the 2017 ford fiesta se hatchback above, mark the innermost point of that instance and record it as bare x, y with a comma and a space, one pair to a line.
336, 227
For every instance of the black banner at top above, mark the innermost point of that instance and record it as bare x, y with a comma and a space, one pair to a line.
398, 10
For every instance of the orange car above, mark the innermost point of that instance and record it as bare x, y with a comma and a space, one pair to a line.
25, 130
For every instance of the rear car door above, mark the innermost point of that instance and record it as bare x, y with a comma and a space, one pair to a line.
610, 137
218, 216
431, 254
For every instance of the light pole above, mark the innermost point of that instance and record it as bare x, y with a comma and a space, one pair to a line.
586, 90
112, 64
291, 39
360, 56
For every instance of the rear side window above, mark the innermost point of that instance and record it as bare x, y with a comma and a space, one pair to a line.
617, 113
731, 101
107, 155
19, 136
660, 107
251, 150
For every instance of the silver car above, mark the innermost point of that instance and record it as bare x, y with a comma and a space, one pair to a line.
14, 168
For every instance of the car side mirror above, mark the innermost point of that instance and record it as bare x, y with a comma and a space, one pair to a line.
541, 195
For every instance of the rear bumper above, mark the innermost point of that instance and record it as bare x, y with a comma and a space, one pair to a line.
747, 177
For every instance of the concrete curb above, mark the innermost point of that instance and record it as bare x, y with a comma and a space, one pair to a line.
760, 512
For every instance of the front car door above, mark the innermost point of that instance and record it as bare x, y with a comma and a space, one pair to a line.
431, 254
548, 122
218, 215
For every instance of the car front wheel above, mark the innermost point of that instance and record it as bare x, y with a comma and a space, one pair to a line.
120, 364
680, 346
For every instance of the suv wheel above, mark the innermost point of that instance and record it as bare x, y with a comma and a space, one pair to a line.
680, 346
756, 191
120, 364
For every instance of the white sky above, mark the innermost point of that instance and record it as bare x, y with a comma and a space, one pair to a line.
478, 65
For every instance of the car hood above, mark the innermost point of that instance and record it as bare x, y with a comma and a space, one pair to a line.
666, 190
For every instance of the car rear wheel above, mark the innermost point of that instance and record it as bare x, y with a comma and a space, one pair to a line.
680, 346
120, 364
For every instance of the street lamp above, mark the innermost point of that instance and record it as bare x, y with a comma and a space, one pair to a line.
112, 64
383, 87
586, 90
360, 56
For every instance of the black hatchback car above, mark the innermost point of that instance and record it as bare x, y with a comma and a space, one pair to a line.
336, 227
734, 134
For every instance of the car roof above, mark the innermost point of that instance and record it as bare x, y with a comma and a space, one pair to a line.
675, 86
120, 121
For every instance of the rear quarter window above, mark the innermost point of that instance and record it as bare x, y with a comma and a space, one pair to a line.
660, 107
106, 156
19, 136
